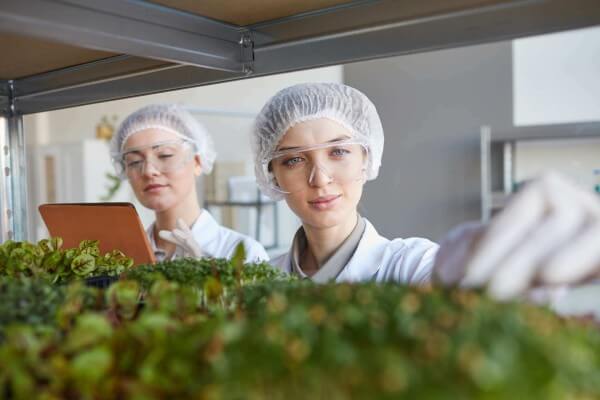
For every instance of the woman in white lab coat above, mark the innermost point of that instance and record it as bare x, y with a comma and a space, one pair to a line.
161, 150
316, 144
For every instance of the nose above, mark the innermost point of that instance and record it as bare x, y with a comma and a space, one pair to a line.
319, 177
149, 170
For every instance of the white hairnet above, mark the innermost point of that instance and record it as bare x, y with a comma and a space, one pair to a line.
308, 101
171, 118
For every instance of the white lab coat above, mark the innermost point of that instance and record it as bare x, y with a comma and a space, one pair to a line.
379, 259
217, 241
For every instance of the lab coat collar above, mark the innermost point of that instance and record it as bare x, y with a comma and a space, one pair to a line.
284, 262
363, 265
367, 258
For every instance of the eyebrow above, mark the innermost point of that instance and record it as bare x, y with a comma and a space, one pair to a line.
338, 139
137, 150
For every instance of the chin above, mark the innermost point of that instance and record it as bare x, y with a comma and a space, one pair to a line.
157, 204
324, 219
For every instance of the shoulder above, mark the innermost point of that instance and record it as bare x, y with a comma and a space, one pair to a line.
412, 245
399, 260
414, 248
399, 246
408, 260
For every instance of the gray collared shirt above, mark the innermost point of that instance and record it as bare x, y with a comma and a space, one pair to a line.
338, 260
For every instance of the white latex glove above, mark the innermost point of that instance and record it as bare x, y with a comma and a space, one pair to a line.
548, 235
183, 238
455, 249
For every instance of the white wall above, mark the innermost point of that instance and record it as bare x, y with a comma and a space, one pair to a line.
557, 78
246, 96
226, 109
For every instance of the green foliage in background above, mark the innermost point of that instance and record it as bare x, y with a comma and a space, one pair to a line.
113, 186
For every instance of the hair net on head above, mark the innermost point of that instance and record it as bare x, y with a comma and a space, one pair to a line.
171, 118
308, 101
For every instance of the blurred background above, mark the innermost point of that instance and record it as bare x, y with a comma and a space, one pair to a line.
464, 128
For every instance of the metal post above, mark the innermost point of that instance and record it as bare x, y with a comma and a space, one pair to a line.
13, 177
276, 224
508, 167
486, 176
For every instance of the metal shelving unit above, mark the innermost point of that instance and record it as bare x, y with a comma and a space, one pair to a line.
498, 158
65, 53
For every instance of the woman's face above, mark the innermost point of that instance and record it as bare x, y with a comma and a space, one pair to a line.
319, 199
155, 189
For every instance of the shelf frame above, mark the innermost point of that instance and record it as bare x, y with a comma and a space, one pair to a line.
196, 51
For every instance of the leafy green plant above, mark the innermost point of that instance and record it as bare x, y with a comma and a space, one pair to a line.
216, 329
298, 340
48, 260
196, 272
28, 301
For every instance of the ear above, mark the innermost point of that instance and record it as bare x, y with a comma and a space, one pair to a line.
197, 165
270, 172
364, 175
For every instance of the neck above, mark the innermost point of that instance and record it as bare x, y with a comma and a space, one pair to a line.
188, 210
323, 242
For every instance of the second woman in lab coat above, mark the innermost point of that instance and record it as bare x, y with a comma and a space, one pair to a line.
161, 150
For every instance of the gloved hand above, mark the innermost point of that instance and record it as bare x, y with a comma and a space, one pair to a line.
184, 240
548, 235
455, 249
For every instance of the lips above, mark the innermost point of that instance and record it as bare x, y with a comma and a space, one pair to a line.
324, 202
153, 187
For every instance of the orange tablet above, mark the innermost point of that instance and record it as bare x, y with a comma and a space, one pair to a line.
114, 225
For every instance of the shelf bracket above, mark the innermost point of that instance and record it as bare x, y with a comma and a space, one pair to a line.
13, 171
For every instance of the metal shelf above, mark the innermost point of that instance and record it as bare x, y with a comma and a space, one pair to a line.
498, 157
158, 48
